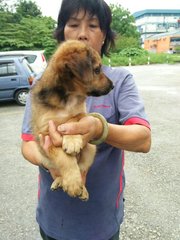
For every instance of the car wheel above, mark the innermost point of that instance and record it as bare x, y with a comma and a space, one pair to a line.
21, 97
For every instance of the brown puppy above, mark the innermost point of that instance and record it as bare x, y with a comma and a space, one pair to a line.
73, 73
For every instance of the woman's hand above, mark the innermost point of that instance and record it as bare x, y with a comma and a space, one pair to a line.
54, 138
89, 127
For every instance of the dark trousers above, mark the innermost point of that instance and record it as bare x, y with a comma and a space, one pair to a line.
45, 237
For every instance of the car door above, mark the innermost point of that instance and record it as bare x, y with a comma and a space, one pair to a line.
9, 79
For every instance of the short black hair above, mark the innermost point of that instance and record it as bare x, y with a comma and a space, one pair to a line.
97, 8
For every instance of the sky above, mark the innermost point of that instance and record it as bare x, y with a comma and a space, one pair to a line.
51, 7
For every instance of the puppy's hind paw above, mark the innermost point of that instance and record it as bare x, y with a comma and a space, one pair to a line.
84, 195
56, 184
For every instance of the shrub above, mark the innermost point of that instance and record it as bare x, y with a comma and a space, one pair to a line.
123, 42
133, 52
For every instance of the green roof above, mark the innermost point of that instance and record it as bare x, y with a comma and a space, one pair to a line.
156, 11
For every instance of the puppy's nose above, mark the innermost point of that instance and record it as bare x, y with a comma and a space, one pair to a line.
111, 86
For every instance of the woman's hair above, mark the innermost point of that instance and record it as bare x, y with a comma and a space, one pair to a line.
97, 8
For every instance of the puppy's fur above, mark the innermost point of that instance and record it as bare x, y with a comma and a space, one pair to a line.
73, 73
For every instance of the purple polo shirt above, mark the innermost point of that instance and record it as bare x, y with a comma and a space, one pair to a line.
65, 218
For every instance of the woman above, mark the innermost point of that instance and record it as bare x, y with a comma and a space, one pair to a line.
59, 216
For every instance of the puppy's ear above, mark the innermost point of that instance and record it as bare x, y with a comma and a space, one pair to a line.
80, 66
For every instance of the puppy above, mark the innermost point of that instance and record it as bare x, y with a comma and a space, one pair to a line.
73, 73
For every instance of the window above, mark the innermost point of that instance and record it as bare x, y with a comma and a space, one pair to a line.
7, 69
27, 66
175, 39
31, 58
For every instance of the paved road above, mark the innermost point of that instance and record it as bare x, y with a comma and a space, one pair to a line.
153, 179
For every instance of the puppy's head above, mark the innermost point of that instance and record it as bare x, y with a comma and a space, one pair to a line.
77, 67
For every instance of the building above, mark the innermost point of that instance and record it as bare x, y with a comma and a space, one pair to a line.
156, 21
163, 42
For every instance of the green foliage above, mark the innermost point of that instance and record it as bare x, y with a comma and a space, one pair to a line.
3, 5
26, 30
116, 60
27, 8
177, 49
164, 58
133, 52
123, 23
123, 42
145, 58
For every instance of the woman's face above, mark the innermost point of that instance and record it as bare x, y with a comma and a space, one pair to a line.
85, 27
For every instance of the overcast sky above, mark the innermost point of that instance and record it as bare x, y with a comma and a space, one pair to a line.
51, 7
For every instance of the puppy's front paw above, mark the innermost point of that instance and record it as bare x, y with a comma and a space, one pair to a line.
72, 144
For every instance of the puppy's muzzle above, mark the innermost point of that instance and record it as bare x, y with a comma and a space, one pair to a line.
103, 91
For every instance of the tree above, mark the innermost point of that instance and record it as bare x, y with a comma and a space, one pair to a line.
3, 6
123, 23
38, 32
21, 31
8, 31
26, 8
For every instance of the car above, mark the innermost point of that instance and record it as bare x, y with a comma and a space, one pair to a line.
16, 78
36, 59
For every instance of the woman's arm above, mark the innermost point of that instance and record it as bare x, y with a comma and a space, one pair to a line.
30, 152
135, 138
30, 149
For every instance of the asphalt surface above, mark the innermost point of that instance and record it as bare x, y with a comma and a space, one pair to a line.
152, 206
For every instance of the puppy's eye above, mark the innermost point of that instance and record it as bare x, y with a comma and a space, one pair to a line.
97, 70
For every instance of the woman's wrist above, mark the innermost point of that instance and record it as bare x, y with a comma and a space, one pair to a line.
102, 135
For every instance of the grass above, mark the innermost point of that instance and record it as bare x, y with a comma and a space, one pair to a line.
152, 58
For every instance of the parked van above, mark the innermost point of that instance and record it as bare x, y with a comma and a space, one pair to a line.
36, 59
16, 77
